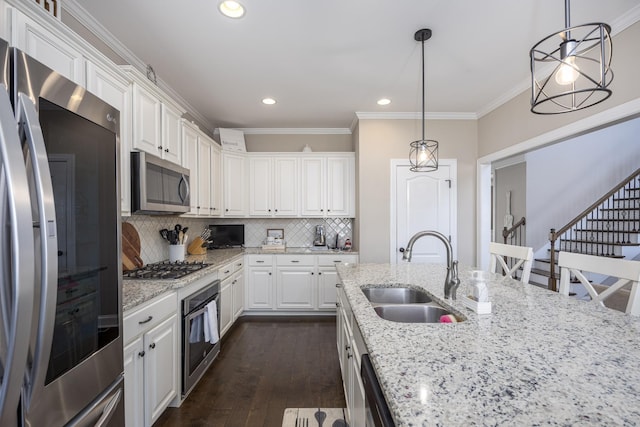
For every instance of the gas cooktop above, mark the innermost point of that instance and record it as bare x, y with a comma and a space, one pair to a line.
165, 270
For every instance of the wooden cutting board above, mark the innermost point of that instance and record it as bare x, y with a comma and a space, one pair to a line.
130, 248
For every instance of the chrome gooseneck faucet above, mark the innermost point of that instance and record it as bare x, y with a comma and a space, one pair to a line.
451, 282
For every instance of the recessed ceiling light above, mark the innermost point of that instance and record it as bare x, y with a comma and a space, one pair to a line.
268, 101
231, 8
384, 101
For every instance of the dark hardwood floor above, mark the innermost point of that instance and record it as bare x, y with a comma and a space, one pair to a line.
265, 366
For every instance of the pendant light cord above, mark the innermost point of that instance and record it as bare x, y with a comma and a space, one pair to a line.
423, 93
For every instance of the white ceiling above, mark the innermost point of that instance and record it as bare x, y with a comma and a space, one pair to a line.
325, 60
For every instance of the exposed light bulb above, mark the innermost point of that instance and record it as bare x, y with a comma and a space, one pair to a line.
423, 155
568, 71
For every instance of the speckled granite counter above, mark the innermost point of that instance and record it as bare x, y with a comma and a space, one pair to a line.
539, 359
136, 291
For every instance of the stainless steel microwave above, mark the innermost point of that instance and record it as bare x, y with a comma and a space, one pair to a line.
158, 186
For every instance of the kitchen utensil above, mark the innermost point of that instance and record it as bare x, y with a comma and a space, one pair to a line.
165, 234
339, 423
302, 422
320, 417
320, 238
130, 248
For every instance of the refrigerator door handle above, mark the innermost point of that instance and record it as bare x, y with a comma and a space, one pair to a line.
17, 302
48, 242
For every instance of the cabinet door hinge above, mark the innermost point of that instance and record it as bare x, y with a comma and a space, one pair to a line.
448, 181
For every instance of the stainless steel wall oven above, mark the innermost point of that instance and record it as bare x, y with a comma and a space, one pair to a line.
198, 348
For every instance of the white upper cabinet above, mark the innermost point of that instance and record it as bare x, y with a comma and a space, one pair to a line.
234, 169
216, 180
273, 186
190, 161
201, 155
340, 186
156, 120
146, 119
54, 50
111, 86
328, 186
171, 138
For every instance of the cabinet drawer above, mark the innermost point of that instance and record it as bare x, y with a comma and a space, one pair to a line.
226, 271
291, 260
141, 320
329, 260
260, 260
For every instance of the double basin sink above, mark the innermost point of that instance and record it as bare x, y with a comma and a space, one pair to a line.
406, 305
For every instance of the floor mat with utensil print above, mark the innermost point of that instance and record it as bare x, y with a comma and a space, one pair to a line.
314, 417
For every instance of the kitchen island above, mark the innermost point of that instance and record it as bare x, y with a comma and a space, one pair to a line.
538, 359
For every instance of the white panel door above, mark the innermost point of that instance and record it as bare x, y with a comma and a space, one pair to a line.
327, 279
190, 161
160, 368
260, 288
134, 383
235, 184
313, 187
338, 186
146, 123
171, 138
423, 201
295, 288
204, 177
54, 52
226, 305
260, 186
216, 180
285, 186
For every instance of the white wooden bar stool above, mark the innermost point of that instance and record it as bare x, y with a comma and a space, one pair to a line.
626, 271
523, 254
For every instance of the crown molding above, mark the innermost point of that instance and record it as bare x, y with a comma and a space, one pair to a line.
625, 21
293, 131
363, 115
75, 9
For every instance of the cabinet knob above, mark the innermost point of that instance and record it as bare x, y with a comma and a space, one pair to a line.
338, 285
312, 273
337, 304
320, 273
269, 273
152, 345
276, 210
160, 147
349, 355
226, 210
198, 207
347, 347
166, 150
269, 210
141, 354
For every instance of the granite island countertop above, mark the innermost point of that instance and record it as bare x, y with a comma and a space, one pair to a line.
138, 291
539, 358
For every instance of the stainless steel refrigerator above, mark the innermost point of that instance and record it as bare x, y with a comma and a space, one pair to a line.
61, 357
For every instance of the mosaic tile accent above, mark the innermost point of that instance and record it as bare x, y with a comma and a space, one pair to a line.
298, 232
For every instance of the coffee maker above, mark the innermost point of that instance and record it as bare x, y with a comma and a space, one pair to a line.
320, 237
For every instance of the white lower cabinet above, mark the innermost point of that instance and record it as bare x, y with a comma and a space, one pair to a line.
304, 282
231, 278
350, 350
150, 360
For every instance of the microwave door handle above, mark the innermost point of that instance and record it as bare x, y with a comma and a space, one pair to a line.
183, 179
48, 243
17, 301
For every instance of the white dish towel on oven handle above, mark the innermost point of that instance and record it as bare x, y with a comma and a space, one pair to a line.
211, 323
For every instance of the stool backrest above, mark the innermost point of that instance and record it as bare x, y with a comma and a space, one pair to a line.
523, 255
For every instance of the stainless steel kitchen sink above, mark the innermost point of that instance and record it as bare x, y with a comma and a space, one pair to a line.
396, 296
411, 313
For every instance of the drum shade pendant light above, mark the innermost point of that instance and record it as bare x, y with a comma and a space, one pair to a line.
571, 69
423, 154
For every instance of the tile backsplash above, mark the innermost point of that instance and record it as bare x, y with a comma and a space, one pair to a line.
298, 232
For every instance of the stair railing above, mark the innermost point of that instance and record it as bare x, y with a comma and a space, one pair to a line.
514, 236
570, 233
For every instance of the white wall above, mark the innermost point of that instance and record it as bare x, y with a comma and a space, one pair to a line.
565, 178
